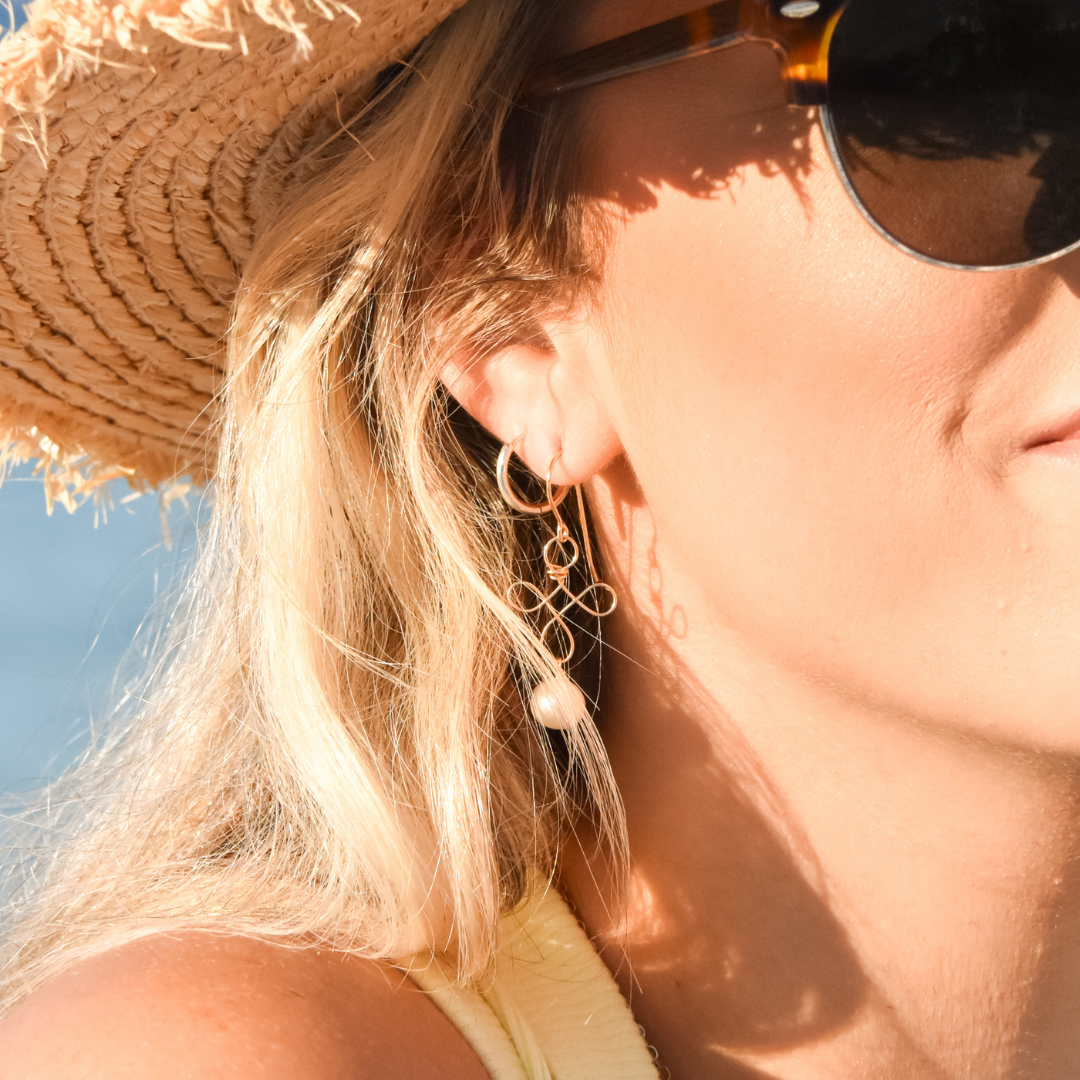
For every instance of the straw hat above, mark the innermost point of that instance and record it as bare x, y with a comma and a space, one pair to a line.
139, 142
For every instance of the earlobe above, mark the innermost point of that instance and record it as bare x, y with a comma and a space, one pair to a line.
538, 396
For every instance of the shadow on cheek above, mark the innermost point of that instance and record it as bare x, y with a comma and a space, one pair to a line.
698, 129
1068, 269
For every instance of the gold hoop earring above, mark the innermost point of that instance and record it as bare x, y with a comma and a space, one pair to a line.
558, 703
511, 494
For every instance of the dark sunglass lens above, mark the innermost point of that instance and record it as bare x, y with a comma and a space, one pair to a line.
958, 123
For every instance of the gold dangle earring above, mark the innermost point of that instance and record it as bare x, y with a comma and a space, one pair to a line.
556, 703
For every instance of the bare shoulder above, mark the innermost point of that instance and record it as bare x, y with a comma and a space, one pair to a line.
231, 1008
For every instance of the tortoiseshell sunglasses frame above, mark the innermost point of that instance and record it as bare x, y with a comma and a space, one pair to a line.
799, 31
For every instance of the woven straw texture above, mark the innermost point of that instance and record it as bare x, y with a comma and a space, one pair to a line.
139, 142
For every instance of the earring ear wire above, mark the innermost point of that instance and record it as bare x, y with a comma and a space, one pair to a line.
557, 703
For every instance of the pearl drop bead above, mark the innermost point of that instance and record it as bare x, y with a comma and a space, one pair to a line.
558, 704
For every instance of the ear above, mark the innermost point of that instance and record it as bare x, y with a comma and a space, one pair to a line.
541, 395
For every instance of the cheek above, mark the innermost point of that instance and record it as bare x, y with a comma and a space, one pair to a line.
771, 363
794, 399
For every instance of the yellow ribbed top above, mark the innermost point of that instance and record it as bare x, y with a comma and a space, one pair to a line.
552, 1010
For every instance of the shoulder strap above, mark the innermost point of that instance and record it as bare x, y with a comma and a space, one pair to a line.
552, 1010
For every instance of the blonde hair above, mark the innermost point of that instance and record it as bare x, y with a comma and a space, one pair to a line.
333, 748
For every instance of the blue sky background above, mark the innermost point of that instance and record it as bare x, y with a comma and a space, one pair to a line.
72, 597
7, 9
73, 594
6, 13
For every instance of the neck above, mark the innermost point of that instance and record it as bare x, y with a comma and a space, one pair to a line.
819, 888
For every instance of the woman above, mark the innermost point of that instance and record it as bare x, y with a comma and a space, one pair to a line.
823, 821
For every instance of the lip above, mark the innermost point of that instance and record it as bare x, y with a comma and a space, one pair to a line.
1062, 439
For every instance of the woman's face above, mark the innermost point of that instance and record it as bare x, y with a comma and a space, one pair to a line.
837, 442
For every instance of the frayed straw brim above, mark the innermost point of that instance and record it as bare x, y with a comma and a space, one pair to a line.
141, 144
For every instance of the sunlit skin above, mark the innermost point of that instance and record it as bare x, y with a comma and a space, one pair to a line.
841, 695
834, 489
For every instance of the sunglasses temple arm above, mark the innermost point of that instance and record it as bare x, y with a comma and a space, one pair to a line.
702, 31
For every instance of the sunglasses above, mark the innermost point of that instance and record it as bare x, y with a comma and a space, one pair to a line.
954, 124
